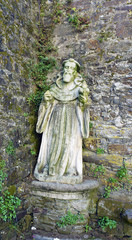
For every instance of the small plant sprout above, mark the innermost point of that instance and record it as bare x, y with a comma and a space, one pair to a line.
100, 151
25, 114
99, 170
105, 222
33, 152
112, 180
10, 149
90, 125
70, 219
112, 185
122, 172
88, 228
107, 192
8, 202
79, 22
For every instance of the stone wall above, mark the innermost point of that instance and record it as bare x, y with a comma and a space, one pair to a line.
18, 21
103, 49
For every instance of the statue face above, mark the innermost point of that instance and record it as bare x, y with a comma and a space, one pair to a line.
69, 72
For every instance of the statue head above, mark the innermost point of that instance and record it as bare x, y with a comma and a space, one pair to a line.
70, 70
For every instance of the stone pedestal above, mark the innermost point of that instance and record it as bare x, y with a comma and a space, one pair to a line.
51, 201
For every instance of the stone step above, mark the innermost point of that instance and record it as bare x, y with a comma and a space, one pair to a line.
39, 237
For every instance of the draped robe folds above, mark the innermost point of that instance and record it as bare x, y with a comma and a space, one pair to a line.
64, 121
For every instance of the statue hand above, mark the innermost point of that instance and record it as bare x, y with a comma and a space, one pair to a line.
83, 97
47, 96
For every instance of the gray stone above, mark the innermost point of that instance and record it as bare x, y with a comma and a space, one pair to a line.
2, 81
127, 215
84, 186
57, 199
127, 229
118, 122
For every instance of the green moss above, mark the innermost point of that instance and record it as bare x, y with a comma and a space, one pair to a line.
30, 28
25, 223
103, 36
101, 53
12, 189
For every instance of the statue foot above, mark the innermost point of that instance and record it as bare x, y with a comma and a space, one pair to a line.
45, 171
52, 171
71, 172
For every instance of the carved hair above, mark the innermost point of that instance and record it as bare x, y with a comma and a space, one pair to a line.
72, 60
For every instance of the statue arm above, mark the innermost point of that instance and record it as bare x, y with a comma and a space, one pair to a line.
83, 98
45, 103
83, 109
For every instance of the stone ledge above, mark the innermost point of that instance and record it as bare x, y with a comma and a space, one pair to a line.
61, 187
39, 237
108, 160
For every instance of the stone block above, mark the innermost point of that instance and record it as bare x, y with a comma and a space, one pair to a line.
71, 229
119, 149
112, 208
46, 228
127, 229
91, 143
127, 215
50, 214
66, 230
108, 207
82, 206
94, 45
108, 160
122, 195
123, 29
118, 231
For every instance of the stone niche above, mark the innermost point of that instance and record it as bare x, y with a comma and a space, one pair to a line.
51, 201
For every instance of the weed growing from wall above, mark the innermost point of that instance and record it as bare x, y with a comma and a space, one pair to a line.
43, 46
90, 125
79, 22
70, 219
99, 170
10, 149
104, 36
39, 73
115, 184
122, 172
8, 202
105, 222
88, 228
100, 151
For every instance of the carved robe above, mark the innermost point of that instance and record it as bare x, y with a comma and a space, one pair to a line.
64, 121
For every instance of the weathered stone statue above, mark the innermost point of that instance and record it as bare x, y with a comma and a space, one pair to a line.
63, 119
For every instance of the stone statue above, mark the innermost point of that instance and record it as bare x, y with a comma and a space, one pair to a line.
63, 118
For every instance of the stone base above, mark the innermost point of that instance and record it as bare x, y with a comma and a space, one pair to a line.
59, 179
51, 201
